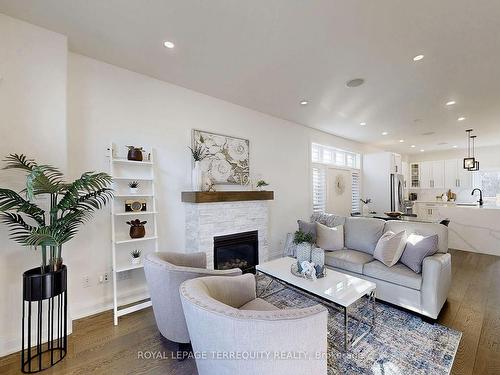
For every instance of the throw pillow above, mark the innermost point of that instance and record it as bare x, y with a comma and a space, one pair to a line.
417, 248
306, 227
390, 247
330, 238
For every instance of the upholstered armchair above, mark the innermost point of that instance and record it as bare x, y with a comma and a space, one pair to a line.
165, 272
241, 334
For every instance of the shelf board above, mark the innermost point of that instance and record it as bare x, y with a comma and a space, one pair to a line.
225, 196
130, 267
132, 195
126, 161
133, 308
136, 240
132, 179
136, 213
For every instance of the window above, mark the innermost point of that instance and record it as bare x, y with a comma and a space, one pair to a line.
319, 188
322, 157
334, 156
488, 182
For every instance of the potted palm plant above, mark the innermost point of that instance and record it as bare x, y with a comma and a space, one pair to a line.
70, 206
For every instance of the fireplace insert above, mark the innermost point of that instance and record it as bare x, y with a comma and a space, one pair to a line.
239, 250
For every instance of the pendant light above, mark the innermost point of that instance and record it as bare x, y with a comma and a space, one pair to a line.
469, 162
476, 162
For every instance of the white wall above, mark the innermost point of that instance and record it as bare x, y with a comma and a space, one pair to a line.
33, 75
105, 103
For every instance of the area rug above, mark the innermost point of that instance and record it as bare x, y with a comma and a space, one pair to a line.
402, 343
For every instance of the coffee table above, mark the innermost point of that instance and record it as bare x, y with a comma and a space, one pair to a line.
336, 290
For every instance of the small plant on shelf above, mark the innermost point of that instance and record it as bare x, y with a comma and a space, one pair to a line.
134, 186
137, 229
136, 256
261, 184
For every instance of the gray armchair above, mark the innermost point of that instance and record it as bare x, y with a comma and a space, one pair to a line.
165, 272
225, 318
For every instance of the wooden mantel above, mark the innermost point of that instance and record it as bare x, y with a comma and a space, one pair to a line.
225, 196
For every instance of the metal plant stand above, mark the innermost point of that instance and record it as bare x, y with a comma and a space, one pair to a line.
45, 313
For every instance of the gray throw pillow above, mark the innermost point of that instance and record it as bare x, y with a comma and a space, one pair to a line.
362, 233
417, 248
306, 227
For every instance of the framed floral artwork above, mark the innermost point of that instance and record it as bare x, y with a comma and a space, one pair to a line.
227, 158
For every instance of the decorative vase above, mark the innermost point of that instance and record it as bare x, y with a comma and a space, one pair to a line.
133, 190
134, 154
303, 251
196, 177
135, 261
137, 231
366, 209
45, 311
318, 258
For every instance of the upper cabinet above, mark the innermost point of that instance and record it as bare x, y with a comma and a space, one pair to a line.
456, 176
440, 174
406, 173
396, 163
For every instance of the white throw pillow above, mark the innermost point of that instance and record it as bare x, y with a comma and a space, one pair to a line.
330, 238
390, 247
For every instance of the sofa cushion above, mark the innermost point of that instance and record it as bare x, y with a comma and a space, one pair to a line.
349, 260
363, 233
330, 238
390, 247
417, 248
398, 274
258, 304
306, 227
330, 220
423, 229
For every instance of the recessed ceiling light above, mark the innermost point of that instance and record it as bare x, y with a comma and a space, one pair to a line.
362, 123
413, 146
355, 82
422, 150
451, 102
384, 133
455, 146
461, 119
169, 44
401, 140
304, 102
418, 57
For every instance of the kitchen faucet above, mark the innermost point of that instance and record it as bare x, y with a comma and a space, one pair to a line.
480, 195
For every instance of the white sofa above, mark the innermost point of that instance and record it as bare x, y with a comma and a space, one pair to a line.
423, 293
225, 318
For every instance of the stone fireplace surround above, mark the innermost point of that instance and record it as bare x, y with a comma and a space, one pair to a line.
204, 221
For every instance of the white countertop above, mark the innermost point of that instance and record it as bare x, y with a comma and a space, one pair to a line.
487, 205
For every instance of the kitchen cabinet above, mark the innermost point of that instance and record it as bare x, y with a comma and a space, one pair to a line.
432, 174
428, 211
415, 175
456, 176
396, 163
406, 174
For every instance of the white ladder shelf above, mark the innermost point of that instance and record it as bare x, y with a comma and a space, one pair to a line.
119, 181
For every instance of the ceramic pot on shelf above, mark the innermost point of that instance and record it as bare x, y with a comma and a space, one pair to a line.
196, 177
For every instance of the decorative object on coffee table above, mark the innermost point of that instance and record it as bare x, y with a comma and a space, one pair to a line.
137, 229
134, 153
198, 152
71, 205
227, 159
303, 250
133, 187
136, 257
318, 259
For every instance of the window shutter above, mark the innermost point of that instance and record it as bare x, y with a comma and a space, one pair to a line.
356, 191
319, 189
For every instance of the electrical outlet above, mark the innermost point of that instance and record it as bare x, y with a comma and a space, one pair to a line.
104, 278
85, 281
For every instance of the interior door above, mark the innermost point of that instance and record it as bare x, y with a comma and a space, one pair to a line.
339, 191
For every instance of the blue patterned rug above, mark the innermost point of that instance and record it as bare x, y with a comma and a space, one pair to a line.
402, 343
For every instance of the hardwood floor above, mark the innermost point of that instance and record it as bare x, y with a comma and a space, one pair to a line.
473, 307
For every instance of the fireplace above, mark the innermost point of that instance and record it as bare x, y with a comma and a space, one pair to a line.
239, 250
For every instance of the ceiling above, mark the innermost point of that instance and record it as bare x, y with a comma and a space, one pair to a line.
269, 55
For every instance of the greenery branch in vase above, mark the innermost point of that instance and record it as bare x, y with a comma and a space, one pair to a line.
198, 152
71, 205
136, 256
261, 184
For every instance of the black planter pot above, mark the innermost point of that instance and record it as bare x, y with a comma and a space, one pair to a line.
45, 310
